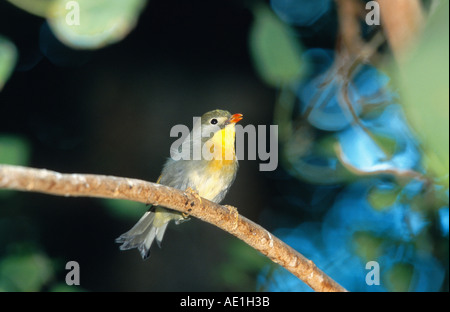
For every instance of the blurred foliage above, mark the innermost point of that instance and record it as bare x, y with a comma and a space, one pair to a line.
87, 24
423, 82
242, 265
125, 209
26, 268
8, 56
344, 125
23, 266
399, 276
25, 272
275, 51
14, 150
384, 196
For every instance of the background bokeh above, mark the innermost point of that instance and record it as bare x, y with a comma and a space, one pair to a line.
356, 183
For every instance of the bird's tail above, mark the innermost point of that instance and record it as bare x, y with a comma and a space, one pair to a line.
151, 226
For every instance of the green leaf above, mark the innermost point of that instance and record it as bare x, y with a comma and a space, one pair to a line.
386, 143
8, 58
14, 150
399, 277
88, 24
275, 51
62, 287
242, 264
424, 81
25, 272
382, 198
125, 208
36, 7
367, 246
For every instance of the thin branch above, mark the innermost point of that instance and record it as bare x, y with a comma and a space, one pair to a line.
349, 12
226, 218
400, 174
402, 21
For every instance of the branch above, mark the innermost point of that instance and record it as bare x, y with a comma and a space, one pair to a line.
400, 174
226, 218
402, 21
349, 12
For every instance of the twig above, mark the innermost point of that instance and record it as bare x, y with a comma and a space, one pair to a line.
349, 12
89, 185
401, 174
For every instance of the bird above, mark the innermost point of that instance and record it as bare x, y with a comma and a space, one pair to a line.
209, 176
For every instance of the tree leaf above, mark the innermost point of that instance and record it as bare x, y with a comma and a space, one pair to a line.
87, 24
26, 272
423, 82
399, 277
14, 150
8, 58
125, 209
381, 198
275, 51
35, 7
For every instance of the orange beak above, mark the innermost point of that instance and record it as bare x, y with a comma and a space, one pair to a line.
235, 118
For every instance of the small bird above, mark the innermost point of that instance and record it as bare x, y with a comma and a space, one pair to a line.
208, 177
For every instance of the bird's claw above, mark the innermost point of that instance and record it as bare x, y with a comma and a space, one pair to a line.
194, 193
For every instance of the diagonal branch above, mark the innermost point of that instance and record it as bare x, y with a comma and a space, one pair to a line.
226, 218
402, 21
400, 174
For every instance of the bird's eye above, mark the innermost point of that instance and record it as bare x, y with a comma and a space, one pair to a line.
213, 121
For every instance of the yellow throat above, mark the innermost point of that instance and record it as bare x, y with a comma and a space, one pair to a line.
222, 145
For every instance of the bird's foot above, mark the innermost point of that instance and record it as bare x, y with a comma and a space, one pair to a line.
194, 193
